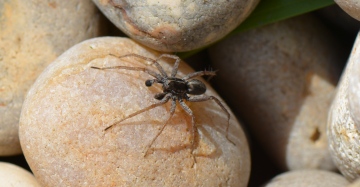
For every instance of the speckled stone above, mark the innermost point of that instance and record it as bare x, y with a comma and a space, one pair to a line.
281, 80
344, 121
352, 7
32, 34
308, 178
69, 106
14, 176
176, 25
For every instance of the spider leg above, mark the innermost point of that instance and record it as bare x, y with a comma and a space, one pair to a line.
150, 72
206, 98
199, 73
163, 101
194, 129
155, 62
176, 64
172, 110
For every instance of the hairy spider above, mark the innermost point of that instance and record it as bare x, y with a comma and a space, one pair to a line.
174, 89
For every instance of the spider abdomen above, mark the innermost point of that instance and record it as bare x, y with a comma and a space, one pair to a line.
195, 87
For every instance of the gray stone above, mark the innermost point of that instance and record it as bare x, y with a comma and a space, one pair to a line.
281, 80
176, 25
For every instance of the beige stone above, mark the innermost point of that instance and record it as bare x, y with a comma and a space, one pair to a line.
352, 7
69, 106
14, 176
176, 25
308, 178
281, 79
343, 123
32, 34
356, 183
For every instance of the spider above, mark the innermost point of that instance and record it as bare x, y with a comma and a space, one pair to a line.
174, 89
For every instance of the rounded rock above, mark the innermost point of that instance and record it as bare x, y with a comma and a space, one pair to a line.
280, 79
344, 122
352, 7
15, 176
69, 106
308, 178
176, 25
29, 41
356, 183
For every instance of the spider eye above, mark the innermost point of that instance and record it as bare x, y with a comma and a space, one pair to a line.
149, 83
195, 87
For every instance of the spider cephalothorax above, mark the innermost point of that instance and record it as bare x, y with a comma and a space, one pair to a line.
174, 89
178, 87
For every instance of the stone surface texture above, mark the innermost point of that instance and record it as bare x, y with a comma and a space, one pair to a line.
14, 176
281, 79
308, 178
356, 183
32, 34
174, 26
352, 7
69, 106
343, 123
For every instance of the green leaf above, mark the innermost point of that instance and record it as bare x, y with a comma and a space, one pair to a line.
271, 11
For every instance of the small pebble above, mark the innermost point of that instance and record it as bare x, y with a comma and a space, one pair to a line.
308, 178
14, 176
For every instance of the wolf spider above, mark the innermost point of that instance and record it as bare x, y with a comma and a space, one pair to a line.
174, 89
